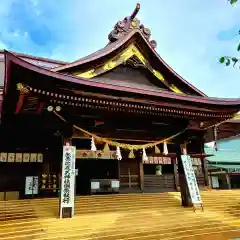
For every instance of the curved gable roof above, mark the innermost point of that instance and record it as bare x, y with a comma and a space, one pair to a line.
221, 102
136, 36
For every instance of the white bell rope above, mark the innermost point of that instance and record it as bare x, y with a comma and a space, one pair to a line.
144, 155
118, 154
165, 148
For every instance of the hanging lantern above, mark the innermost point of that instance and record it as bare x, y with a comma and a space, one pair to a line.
118, 154
93, 146
165, 148
144, 155
157, 150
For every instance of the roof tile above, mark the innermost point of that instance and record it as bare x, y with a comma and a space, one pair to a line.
228, 151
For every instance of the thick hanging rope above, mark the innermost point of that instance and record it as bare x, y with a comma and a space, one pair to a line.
122, 145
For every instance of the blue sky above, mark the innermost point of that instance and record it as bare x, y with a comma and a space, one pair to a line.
191, 35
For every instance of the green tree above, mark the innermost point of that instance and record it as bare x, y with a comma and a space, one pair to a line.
228, 60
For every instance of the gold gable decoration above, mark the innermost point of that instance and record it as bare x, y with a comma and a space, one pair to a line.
236, 115
88, 74
175, 89
122, 57
109, 65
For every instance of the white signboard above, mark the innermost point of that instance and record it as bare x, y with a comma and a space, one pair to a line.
114, 184
191, 179
215, 182
233, 170
31, 185
95, 185
68, 178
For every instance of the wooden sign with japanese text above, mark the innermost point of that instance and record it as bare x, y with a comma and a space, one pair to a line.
21, 157
157, 160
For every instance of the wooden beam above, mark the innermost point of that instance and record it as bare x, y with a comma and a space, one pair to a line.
205, 171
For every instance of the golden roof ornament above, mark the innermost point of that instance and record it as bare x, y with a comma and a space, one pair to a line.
129, 23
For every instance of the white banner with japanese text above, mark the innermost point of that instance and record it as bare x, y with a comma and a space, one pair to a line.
191, 179
68, 178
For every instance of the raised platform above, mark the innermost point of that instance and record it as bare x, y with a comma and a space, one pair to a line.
124, 216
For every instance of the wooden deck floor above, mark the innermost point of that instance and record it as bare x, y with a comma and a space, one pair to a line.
125, 216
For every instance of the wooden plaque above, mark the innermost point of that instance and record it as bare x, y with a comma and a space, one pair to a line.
33, 157
26, 157
11, 157
40, 157
3, 157
19, 157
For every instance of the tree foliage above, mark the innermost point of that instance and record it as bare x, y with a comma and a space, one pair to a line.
228, 60
233, 1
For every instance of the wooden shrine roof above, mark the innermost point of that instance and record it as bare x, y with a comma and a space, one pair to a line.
133, 36
36, 58
39, 61
118, 86
119, 94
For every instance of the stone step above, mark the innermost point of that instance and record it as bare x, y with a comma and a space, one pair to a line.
119, 233
127, 216
124, 224
22, 214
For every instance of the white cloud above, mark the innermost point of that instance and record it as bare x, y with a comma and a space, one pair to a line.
2, 45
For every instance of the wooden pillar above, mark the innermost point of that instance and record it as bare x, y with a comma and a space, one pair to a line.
119, 171
204, 164
185, 196
141, 175
228, 181
210, 181
205, 172
175, 171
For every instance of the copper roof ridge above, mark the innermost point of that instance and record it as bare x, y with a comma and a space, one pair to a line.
44, 59
9, 57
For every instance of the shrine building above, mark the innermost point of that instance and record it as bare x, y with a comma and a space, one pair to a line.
128, 113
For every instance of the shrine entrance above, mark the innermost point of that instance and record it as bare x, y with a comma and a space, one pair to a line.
94, 176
